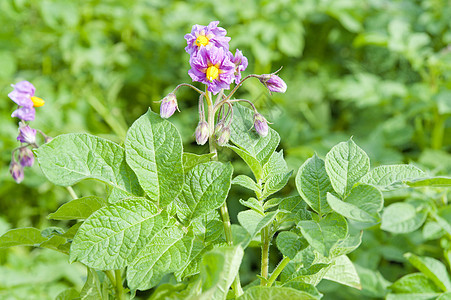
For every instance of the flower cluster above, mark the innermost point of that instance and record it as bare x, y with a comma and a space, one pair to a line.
23, 96
210, 59
215, 66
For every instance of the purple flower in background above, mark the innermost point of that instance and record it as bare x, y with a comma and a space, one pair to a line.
27, 134
23, 95
24, 113
260, 125
240, 62
206, 36
16, 171
213, 68
168, 106
273, 82
26, 157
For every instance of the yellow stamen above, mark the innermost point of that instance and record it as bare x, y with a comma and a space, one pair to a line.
37, 102
212, 73
202, 40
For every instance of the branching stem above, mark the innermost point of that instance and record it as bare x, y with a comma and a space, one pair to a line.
282, 264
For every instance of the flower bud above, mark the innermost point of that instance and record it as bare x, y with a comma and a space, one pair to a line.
273, 82
219, 127
223, 136
168, 106
27, 135
26, 157
202, 133
16, 171
260, 125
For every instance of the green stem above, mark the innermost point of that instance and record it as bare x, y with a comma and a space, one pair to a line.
283, 263
72, 192
236, 285
265, 254
438, 132
119, 287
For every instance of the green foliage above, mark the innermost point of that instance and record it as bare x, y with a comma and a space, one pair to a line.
99, 65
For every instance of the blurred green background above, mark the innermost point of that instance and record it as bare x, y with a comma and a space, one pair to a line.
377, 70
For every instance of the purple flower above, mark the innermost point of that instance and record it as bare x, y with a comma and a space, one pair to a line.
273, 82
168, 106
27, 135
26, 157
22, 93
240, 62
16, 171
260, 125
202, 133
213, 68
24, 113
206, 36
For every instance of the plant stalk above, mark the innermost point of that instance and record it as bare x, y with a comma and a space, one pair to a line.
265, 254
119, 287
236, 285
72, 192
283, 263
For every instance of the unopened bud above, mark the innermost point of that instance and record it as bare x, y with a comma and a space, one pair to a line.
273, 82
26, 157
27, 134
168, 106
219, 127
202, 133
16, 171
223, 136
260, 125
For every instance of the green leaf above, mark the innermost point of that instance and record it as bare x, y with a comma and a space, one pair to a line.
414, 283
240, 236
275, 293
92, 289
153, 148
432, 268
402, 217
208, 228
325, 233
247, 182
206, 188
289, 243
273, 202
313, 184
57, 243
362, 204
304, 287
80, 208
70, 158
166, 252
387, 177
112, 236
373, 283
255, 222
293, 209
255, 149
190, 160
275, 183
432, 181
443, 218
253, 204
275, 165
28, 236
346, 163
344, 272
192, 265
251, 161
68, 294
218, 270
349, 244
